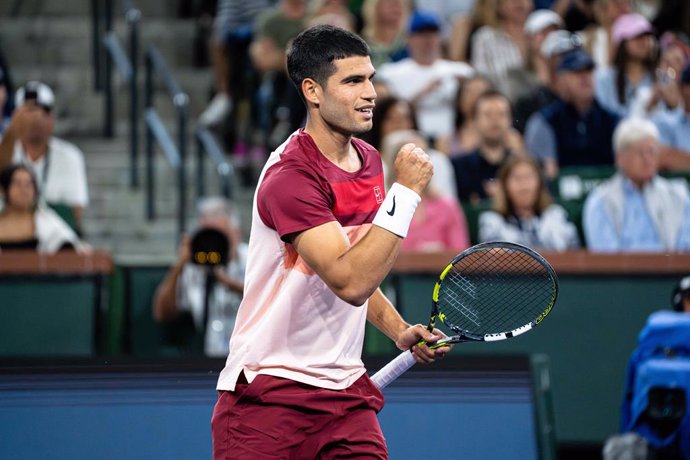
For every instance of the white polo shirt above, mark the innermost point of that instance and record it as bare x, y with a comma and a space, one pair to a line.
436, 110
60, 173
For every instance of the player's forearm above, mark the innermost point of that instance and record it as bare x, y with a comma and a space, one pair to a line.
361, 269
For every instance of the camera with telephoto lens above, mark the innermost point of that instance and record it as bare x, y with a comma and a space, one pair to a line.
210, 247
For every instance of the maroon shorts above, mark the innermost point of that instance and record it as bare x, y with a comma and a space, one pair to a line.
276, 418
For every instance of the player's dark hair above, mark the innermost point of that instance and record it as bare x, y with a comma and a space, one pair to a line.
313, 51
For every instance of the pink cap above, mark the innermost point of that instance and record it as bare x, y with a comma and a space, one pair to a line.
630, 26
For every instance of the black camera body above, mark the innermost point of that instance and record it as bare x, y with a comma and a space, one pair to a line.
210, 247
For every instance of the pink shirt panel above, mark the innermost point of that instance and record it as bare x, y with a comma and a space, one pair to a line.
290, 324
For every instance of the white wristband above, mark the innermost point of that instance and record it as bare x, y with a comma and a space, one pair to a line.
396, 211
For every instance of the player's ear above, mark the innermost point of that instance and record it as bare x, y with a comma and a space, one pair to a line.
312, 91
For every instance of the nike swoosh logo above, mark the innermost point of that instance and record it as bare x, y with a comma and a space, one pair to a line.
392, 211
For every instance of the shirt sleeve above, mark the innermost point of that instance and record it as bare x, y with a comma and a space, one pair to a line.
599, 229
294, 200
540, 138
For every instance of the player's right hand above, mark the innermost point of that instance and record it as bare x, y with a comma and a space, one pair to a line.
413, 168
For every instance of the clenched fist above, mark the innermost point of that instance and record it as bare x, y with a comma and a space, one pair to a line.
413, 168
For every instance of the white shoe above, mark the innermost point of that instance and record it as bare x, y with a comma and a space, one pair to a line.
216, 111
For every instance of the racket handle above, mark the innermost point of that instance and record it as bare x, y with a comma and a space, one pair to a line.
393, 369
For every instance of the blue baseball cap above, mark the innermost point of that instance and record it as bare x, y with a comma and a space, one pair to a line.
575, 61
424, 21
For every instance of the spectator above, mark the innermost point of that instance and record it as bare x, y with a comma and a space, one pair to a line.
636, 210
443, 180
281, 109
524, 213
465, 27
25, 223
464, 138
577, 130
496, 49
184, 289
626, 87
674, 131
333, 12
439, 223
385, 29
475, 172
390, 114
229, 50
597, 35
449, 11
665, 95
57, 164
554, 46
524, 79
425, 79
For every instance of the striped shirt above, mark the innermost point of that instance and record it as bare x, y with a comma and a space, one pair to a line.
494, 53
232, 15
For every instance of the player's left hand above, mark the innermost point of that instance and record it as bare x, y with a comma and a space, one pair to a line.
409, 340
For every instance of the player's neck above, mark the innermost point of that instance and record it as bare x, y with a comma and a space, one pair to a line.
335, 146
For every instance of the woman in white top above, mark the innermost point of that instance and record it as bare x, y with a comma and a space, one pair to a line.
25, 223
523, 211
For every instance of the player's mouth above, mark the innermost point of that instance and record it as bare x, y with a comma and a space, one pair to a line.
367, 111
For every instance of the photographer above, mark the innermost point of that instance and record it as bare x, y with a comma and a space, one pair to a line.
210, 292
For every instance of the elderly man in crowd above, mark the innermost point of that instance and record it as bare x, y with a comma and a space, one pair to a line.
636, 210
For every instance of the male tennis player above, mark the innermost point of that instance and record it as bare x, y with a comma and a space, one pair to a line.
324, 235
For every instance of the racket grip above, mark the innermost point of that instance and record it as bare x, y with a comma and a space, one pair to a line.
393, 369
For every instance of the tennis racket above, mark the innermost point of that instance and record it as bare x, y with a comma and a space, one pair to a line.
489, 292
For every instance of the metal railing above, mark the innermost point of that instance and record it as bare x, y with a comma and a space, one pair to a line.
127, 65
206, 143
156, 66
108, 53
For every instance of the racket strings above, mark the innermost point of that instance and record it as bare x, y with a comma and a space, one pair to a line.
495, 290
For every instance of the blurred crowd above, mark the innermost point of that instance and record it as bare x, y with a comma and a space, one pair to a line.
507, 96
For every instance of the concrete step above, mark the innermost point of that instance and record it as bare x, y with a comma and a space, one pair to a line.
67, 41
116, 220
80, 109
23, 8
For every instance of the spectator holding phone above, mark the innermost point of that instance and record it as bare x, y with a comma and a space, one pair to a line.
58, 165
